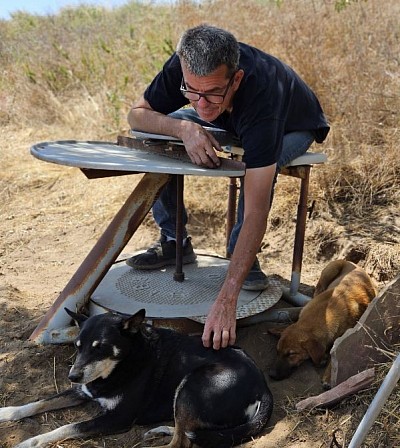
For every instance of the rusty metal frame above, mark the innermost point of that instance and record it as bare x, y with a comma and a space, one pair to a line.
53, 327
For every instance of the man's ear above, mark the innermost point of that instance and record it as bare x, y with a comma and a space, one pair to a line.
78, 318
133, 323
315, 350
238, 79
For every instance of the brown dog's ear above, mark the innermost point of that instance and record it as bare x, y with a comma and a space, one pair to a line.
315, 350
277, 331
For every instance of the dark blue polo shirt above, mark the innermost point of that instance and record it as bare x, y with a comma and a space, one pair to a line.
272, 100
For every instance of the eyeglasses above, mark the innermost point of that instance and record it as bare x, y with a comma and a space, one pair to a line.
212, 98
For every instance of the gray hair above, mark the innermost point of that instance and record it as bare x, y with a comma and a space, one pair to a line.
204, 48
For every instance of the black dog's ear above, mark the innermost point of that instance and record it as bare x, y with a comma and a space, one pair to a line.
133, 323
78, 318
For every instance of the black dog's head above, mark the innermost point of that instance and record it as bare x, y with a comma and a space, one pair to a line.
103, 341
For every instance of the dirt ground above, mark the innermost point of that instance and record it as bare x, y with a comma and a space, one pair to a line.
51, 216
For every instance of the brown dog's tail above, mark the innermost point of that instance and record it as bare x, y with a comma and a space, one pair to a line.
228, 437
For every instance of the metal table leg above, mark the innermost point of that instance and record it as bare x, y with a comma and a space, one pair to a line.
179, 275
292, 294
231, 213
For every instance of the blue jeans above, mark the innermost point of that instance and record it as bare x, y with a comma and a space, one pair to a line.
164, 209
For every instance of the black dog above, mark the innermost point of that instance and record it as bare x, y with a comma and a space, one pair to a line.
142, 375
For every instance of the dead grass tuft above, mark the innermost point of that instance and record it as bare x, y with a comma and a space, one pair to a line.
383, 260
363, 184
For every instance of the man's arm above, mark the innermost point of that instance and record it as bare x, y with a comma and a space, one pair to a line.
199, 144
220, 327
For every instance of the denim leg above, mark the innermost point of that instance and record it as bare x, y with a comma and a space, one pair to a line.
294, 145
164, 209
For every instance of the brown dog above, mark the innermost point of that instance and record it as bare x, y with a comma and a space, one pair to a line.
341, 296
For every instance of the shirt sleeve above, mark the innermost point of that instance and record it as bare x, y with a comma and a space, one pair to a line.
163, 94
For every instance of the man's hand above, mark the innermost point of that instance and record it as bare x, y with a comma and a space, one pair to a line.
200, 144
220, 327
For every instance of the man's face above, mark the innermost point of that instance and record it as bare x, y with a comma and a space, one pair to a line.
216, 83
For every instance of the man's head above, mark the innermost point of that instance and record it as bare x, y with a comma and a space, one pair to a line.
210, 64
205, 48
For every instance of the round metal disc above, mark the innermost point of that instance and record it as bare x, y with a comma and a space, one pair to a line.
127, 290
110, 156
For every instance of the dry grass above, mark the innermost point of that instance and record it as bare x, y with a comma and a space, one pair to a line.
82, 68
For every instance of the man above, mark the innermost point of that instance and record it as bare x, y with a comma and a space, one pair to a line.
264, 104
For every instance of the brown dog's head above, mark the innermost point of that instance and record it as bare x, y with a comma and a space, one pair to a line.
293, 349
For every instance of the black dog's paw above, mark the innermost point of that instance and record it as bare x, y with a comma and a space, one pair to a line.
158, 432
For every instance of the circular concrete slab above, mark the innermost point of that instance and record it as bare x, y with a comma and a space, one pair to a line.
127, 290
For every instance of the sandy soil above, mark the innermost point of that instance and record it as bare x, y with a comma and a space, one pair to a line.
51, 216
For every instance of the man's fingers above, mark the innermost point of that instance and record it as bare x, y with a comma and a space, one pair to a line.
210, 148
225, 338
217, 340
220, 339
204, 157
214, 142
211, 154
206, 337
232, 336
201, 147
209, 158
214, 338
